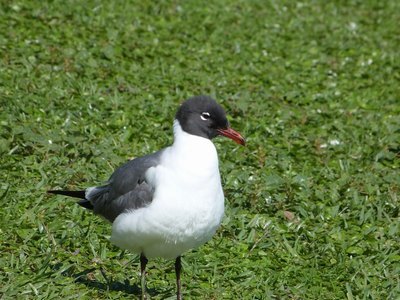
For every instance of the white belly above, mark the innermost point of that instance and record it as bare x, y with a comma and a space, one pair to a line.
168, 230
187, 207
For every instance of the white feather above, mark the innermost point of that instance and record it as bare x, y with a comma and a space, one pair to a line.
188, 203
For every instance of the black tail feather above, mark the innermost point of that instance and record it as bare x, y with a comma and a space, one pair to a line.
75, 194
86, 204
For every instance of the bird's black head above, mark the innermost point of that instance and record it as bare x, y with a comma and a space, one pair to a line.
203, 116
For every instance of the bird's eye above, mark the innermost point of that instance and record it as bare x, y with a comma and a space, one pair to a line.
205, 116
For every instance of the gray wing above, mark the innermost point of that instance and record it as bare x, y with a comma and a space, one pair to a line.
126, 189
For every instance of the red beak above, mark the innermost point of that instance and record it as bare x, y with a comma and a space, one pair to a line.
233, 135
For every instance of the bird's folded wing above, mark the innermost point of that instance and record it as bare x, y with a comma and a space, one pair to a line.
126, 189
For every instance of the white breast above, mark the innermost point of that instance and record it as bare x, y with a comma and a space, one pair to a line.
188, 203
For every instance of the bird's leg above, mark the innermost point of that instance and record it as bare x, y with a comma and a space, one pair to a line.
178, 268
143, 263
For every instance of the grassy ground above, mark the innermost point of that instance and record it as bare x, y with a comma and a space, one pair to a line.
312, 202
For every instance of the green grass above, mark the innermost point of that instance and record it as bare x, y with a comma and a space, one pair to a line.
312, 202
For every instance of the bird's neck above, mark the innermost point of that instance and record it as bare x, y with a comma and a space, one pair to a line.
181, 137
193, 147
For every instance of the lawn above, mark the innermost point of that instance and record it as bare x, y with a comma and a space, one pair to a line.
312, 201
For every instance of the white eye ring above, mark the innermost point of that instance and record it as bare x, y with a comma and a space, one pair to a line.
205, 116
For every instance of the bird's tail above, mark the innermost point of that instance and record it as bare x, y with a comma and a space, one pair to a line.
75, 194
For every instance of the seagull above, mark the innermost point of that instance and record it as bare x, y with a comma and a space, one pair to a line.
168, 202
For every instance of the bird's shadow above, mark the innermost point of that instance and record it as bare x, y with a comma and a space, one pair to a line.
111, 285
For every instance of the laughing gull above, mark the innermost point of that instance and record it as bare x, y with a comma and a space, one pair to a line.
165, 203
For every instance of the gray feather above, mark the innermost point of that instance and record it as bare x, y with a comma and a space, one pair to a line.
126, 189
